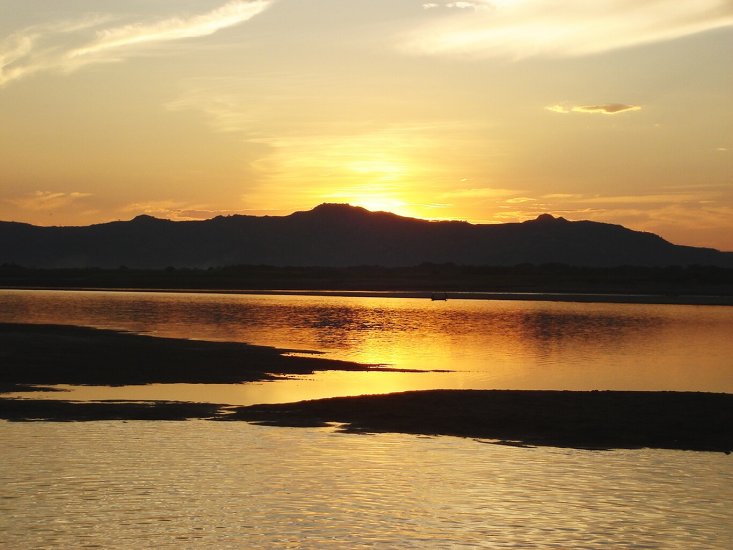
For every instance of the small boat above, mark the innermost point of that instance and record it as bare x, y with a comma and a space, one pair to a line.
439, 296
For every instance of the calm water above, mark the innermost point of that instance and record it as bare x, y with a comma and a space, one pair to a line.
232, 485
488, 344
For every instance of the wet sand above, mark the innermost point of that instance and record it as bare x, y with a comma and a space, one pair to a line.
584, 420
596, 419
28, 410
44, 355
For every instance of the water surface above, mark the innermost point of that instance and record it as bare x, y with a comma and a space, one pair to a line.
232, 485
488, 344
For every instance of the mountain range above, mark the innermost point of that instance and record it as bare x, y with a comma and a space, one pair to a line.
340, 235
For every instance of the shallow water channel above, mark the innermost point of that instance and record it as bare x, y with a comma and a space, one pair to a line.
202, 484
486, 344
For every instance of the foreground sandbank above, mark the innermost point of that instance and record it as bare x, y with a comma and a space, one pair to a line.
47, 355
597, 419
586, 420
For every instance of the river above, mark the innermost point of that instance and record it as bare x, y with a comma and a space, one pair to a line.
233, 485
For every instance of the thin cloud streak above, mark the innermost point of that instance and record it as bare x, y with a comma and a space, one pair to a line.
228, 15
604, 108
36, 48
67, 46
479, 192
46, 200
526, 28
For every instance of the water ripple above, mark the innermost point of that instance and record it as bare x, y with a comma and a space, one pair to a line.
232, 485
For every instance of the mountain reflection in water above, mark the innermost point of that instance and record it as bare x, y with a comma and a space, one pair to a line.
486, 344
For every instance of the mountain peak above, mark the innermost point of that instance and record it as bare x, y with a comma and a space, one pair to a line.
337, 207
332, 210
145, 218
342, 235
548, 218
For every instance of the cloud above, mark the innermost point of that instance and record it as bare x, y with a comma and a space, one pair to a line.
662, 198
175, 210
222, 102
604, 108
481, 192
520, 200
228, 15
564, 196
46, 200
461, 5
37, 48
523, 28
67, 46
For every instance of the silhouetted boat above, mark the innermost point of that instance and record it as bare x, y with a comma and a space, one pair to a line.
439, 296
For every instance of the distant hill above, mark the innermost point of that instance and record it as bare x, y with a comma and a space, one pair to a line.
340, 235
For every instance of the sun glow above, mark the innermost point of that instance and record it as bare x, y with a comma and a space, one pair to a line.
383, 169
381, 193
381, 204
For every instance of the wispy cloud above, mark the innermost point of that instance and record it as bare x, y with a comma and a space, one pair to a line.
175, 210
479, 192
46, 200
604, 108
661, 198
524, 28
43, 47
177, 28
461, 5
67, 46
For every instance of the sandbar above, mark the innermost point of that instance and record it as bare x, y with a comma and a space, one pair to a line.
584, 420
580, 419
46, 355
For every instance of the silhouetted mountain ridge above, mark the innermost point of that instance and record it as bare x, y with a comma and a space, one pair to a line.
341, 235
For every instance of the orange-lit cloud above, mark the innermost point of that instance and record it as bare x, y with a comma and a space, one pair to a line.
523, 28
68, 46
182, 211
461, 5
481, 192
604, 108
46, 200
320, 153
690, 216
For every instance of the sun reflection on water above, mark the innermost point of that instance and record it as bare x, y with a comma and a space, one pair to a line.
485, 344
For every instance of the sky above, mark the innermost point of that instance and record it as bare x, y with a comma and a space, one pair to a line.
487, 111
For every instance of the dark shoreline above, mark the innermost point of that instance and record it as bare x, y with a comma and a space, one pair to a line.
47, 355
583, 420
573, 297
590, 420
558, 282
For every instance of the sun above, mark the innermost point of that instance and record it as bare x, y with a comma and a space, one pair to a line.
380, 204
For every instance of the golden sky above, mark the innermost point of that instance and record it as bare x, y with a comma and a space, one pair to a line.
480, 110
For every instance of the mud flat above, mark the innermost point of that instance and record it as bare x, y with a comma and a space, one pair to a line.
47, 355
584, 420
33, 356
593, 420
